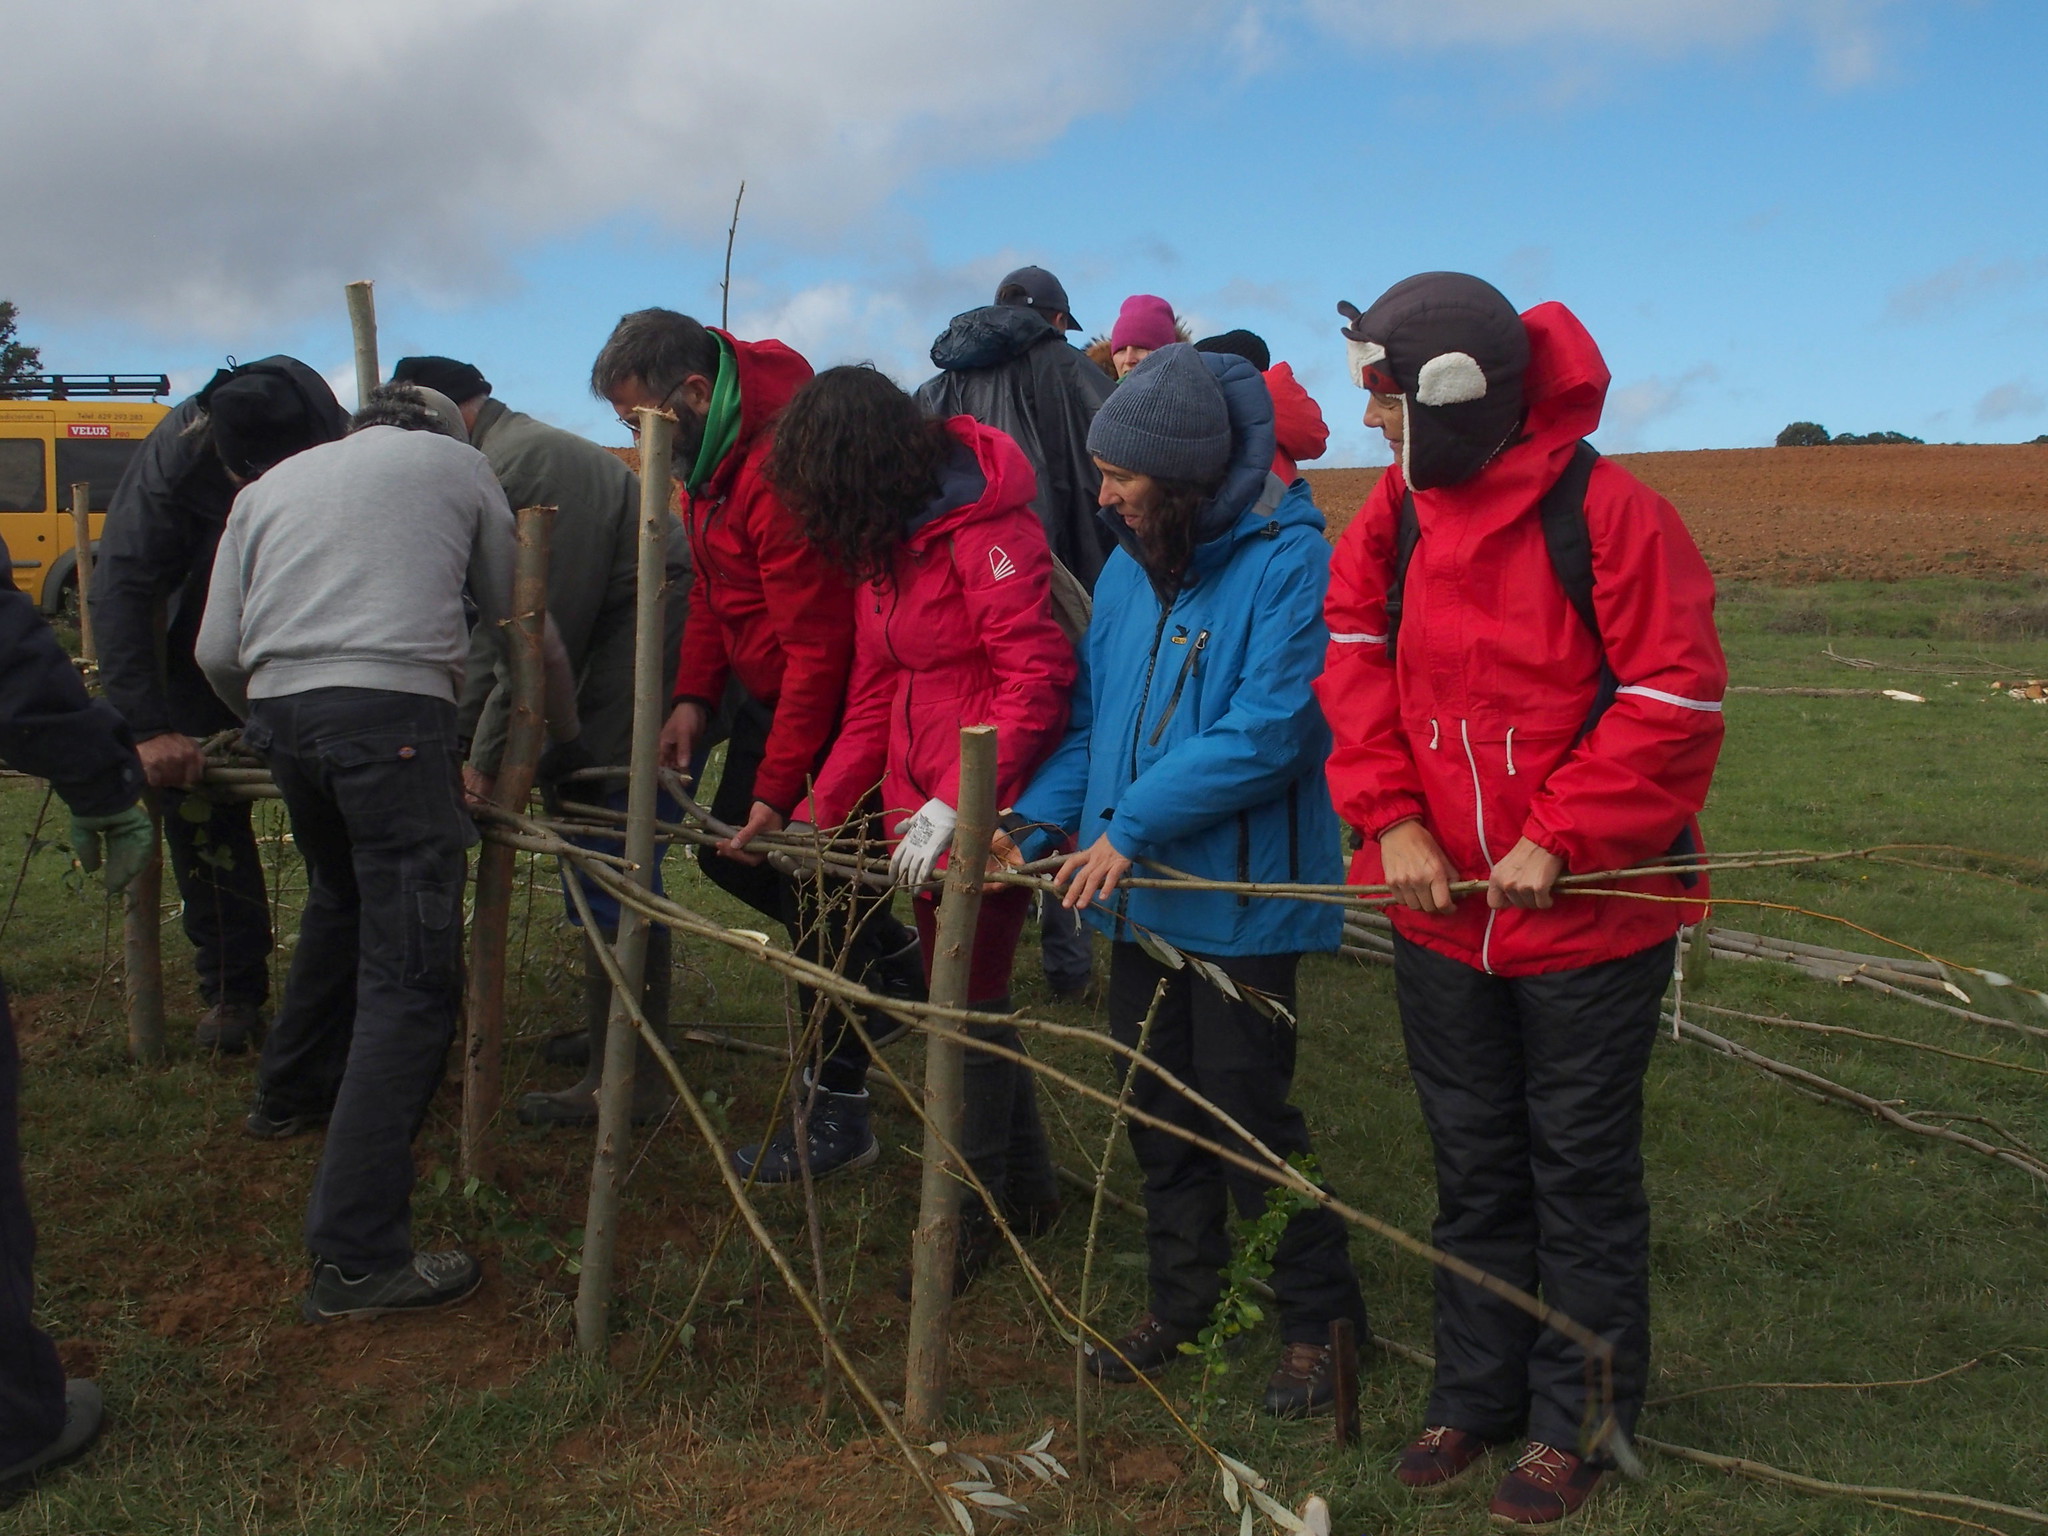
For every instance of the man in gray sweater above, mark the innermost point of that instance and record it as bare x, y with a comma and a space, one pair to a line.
335, 625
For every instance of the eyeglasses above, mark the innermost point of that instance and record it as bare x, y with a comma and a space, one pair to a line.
632, 423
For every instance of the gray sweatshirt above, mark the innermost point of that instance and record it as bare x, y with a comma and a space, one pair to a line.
344, 567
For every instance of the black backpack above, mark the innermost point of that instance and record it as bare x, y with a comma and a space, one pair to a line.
1565, 536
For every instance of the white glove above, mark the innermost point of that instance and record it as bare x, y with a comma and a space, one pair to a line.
922, 839
783, 861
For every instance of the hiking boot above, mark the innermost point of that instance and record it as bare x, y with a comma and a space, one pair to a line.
900, 975
425, 1280
84, 1413
270, 1122
1304, 1382
576, 1106
1149, 1347
1544, 1486
1439, 1458
229, 1029
839, 1138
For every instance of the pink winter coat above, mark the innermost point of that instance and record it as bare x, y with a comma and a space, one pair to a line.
960, 632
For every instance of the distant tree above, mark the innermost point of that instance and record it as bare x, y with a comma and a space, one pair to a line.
1870, 439
17, 362
2043, 438
1803, 434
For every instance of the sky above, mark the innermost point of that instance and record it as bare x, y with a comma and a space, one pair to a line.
1764, 210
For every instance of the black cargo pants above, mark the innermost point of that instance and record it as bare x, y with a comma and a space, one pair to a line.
1532, 1088
370, 1005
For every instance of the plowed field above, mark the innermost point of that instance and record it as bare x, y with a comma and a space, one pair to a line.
1823, 514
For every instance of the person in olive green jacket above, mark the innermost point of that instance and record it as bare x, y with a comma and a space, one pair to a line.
593, 571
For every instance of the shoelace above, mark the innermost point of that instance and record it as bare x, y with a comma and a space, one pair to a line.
1433, 1438
1548, 1464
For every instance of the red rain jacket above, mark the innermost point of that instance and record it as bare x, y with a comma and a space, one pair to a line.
1473, 727
960, 633
764, 605
1299, 431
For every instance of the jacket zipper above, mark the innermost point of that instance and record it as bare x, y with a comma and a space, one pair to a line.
1145, 694
1479, 821
1173, 700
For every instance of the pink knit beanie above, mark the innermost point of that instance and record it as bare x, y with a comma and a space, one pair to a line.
1146, 320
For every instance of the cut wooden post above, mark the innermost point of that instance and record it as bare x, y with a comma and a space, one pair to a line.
362, 320
142, 950
1344, 1379
615, 1087
81, 549
483, 1047
933, 1244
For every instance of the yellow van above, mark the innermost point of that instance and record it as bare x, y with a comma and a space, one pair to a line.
55, 430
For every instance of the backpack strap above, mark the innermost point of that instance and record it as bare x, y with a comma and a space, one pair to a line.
1407, 533
1565, 535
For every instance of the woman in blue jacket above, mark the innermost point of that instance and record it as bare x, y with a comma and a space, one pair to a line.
1197, 743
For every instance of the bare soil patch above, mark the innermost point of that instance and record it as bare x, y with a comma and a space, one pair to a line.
1825, 514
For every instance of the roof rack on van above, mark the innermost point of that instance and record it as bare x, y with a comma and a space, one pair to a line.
72, 386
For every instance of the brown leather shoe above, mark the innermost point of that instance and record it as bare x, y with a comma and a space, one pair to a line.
1440, 1458
1149, 1347
1545, 1486
1304, 1382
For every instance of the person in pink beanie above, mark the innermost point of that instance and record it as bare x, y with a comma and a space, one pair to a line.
1144, 324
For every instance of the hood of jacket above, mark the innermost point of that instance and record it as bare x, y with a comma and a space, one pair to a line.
769, 373
1245, 474
1565, 389
985, 475
990, 336
321, 417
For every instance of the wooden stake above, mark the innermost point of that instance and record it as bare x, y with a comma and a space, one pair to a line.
81, 545
933, 1244
142, 951
362, 320
483, 1049
615, 1087
1344, 1378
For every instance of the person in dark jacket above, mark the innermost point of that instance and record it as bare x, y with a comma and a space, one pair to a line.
50, 728
1010, 366
154, 561
771, 618
1197, 743
1486, 730
953, 626
593, 579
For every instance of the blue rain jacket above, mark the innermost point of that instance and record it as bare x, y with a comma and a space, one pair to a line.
1196, 739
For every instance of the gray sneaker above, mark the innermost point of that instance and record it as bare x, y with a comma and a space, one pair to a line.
426, 1280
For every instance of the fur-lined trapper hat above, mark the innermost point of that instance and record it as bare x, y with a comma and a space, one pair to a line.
1454, 349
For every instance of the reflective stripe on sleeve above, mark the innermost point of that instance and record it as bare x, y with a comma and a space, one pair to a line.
1710, 706
1359, 639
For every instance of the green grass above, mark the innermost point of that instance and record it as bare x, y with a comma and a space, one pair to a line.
1794, 1240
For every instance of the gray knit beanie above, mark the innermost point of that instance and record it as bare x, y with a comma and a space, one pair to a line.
1166, 419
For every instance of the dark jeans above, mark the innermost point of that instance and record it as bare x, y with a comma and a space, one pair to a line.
369, 1008
31, 1380
1064, 947
876, 930
1243, 1063
219, 872
1532, 1088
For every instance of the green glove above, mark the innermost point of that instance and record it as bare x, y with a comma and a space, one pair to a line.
130, 844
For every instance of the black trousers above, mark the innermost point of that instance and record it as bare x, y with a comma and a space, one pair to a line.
1532, 1088
219, 872
876, 931
1243, 1063
31, 1380
370, 1005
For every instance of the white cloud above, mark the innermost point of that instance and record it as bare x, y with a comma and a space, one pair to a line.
233, 160
1956, 288
2015, 398
1633, 407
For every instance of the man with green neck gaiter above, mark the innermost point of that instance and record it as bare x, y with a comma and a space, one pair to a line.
773, 617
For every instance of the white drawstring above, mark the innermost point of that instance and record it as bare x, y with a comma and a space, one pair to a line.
1511, 751
1434, 732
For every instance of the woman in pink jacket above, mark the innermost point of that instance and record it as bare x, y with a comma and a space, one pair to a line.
953, 627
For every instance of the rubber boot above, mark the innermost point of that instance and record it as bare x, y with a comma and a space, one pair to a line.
652, 1093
